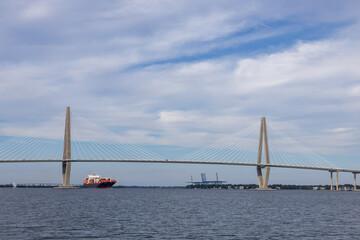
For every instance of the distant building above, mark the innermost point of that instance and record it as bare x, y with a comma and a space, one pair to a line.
204, 181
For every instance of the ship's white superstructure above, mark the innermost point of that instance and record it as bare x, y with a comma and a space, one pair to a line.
93, 178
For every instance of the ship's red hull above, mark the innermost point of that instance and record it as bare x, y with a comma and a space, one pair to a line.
102, 185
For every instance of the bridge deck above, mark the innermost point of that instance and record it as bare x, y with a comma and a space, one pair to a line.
187, 162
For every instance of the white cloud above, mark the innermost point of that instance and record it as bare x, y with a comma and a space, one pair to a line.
37, 10
313, 61
185, 73
355, 91
175, 116
104, 61
26, 81
339, 130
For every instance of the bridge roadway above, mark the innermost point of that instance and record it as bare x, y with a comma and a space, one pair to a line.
263, 165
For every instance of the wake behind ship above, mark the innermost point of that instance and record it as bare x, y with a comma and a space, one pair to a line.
95, 181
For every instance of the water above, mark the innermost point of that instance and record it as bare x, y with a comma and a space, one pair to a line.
177, 214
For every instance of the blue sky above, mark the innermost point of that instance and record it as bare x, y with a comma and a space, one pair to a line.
181, 74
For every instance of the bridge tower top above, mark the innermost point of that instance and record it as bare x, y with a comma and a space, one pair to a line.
67, 136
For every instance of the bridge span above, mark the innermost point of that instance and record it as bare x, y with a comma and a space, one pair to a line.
262, 143
261, 165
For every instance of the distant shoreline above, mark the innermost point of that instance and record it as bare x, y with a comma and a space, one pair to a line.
344, 187
41, 185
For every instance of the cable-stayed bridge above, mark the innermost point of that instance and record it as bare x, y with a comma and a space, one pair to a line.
83, 141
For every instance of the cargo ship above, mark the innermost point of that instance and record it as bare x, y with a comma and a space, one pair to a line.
95, 181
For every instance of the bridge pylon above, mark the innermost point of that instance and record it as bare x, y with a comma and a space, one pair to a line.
66, 165
263, 140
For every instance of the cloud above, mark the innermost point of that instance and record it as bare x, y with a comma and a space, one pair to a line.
313, 61
338, 130
185, 74
180, 70
355, 91
36, 10
174, 116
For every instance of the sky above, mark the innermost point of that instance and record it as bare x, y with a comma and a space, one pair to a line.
176, 75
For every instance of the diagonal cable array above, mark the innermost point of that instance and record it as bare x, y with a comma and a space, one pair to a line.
92, 142
240, 147
40, 143
286, 150
88, 142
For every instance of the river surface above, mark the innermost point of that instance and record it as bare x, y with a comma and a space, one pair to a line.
177, 214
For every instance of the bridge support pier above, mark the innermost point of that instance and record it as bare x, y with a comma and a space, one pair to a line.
263, 181
332, 181
66, 169
260, 176
355, 182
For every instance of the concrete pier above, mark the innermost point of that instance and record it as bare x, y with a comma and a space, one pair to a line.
355, 182
331, 181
